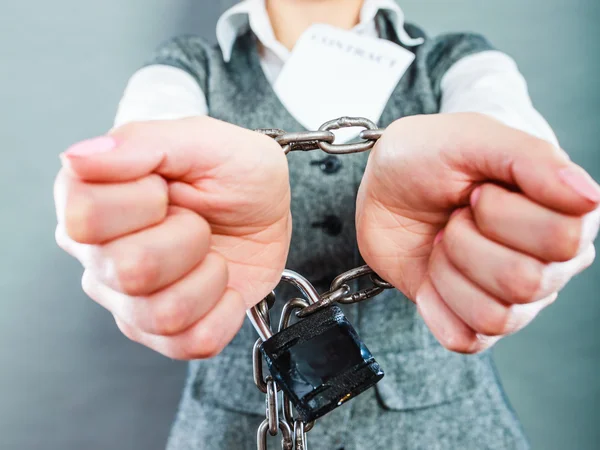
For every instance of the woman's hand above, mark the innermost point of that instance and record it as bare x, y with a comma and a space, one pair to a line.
478, 223
180, 225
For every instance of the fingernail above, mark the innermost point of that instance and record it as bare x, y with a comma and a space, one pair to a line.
93, 146
438, 238
579, 180
475, 195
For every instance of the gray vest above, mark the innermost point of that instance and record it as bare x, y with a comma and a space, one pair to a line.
429, 398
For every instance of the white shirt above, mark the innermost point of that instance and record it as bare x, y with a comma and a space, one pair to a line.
488, 82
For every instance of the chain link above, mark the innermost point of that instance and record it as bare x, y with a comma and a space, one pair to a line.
261, 435
324, 138
293, 430
348, 122
340, 292
300, 435
272, 406
258, 375
272, 423
288, 414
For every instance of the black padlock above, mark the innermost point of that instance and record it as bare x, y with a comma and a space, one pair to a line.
320, 362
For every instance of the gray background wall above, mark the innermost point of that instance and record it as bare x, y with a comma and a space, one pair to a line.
68, 380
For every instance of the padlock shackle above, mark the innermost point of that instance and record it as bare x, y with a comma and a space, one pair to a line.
259, 323
299, 282
302, 284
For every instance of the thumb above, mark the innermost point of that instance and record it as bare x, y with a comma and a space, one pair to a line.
482, 149
182, 149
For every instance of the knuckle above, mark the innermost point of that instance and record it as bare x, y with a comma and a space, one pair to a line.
563, 238
138, 272
159, 187
498, 321
520, 280
86, 283
154, 180
204, 346
488, 209
590, 223
81, 220
589, 257
169, 317
551, 299
456, 342
584, 260
200, 228
89, 285
127, 331
211, 336
483, 342
454, 236
61, 238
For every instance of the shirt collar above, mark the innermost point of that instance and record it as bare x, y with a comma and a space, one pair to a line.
253, 14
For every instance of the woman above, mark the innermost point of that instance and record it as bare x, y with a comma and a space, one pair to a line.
478, 219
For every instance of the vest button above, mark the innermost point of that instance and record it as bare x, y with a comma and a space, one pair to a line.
330, 164
331, 225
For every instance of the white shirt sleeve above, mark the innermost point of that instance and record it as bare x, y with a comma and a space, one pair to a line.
160, 92
490, 83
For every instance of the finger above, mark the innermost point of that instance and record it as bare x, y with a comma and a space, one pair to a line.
484, 149
170, 148
171, 310
505, 273
557, 275
205, 339
144, 262
86, 254
450, 331
508, 275
481, 311
93, 213
513, 220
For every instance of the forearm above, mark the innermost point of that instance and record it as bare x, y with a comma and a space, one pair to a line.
490, 83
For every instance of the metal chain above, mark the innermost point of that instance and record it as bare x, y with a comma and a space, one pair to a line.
324, 138
272, 423
340, 292
293, 429
299, 428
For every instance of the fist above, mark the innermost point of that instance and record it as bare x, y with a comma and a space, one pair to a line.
180, 226
479, 224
